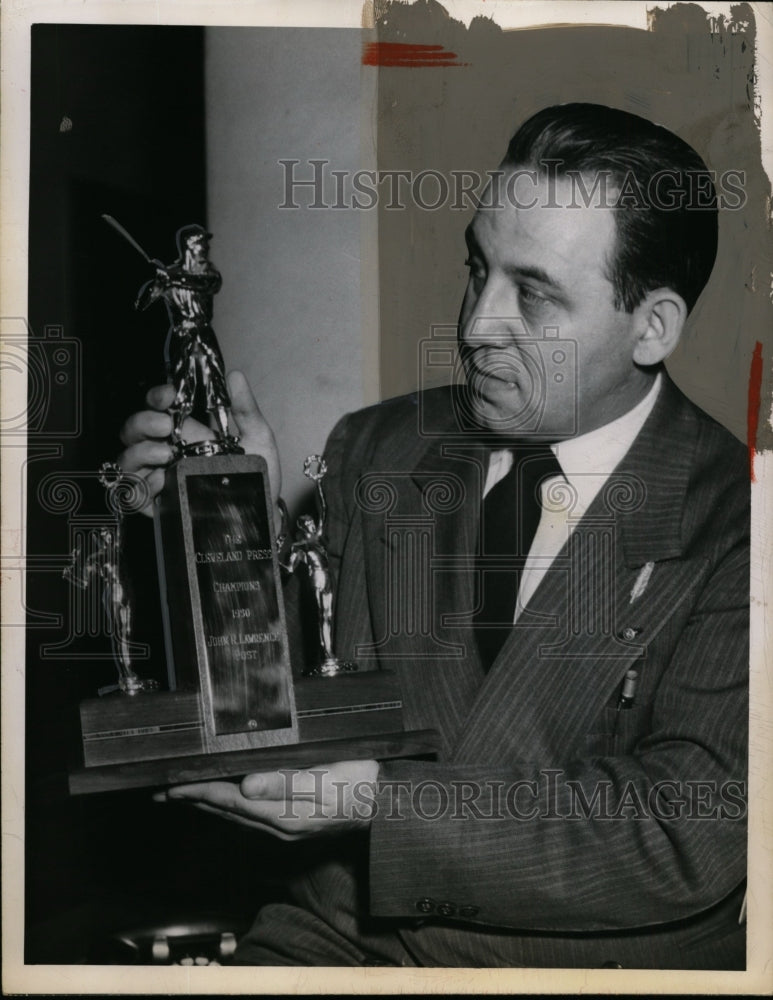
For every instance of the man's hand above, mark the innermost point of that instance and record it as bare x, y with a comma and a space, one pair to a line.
291, 804
146, 435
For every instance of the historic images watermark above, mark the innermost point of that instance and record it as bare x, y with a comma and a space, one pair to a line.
315, 184
43, 383
44, 386
552, 795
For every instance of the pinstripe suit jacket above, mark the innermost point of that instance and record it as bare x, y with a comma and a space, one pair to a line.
555, 830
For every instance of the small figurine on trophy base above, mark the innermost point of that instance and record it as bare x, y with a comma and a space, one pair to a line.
105, 561
309, 550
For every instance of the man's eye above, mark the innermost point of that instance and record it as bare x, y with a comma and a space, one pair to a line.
531, 298
476, 268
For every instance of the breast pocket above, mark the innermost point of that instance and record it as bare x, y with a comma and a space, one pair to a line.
616, 732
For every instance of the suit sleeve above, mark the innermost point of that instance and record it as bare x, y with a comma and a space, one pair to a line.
603, 842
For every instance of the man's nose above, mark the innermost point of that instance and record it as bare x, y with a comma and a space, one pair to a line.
483, 330
494, 320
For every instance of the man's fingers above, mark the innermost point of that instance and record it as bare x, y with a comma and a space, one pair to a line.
221, 794
305, 784
192, 431
287, 820
155, 422
141, 458
146, 424
160, 397
256, 435
155, 480
244, 406
154, 483
278, 785
227, 795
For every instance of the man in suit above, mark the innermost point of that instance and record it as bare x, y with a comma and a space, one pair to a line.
589, 687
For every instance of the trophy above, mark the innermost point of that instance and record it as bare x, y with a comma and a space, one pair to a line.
232, 704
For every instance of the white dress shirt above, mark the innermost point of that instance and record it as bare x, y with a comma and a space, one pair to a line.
587, 462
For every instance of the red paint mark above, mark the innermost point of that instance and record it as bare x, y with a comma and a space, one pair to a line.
412, 56
753, 414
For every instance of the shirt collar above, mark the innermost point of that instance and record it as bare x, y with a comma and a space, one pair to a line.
588, 460
601, 450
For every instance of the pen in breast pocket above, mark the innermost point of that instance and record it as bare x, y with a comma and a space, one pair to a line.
628, 690
627, 694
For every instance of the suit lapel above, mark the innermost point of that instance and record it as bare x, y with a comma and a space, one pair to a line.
583, 630
418, 560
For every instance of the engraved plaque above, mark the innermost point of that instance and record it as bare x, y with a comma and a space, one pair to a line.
224, 616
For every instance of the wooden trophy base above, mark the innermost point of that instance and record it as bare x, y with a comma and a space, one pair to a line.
234, 706
157, 738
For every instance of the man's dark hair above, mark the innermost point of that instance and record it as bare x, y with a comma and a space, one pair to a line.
666, 204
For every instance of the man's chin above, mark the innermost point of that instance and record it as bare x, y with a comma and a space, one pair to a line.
496, 420
491, 416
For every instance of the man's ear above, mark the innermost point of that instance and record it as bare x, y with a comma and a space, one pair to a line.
658, 321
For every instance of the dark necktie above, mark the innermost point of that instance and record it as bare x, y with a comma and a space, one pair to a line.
511, 513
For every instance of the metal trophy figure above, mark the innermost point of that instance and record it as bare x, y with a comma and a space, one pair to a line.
105, 562
309, 550
225, 635
192, 353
